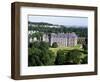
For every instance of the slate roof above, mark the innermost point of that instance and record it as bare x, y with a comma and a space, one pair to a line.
64, 35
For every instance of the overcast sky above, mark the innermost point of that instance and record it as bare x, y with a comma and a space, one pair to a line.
61, 20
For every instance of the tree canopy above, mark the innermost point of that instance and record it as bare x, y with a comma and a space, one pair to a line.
39, 54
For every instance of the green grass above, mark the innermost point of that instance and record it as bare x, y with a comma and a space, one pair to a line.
65, 48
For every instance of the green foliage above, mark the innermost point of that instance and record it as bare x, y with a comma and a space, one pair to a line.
60, 59
80, 31
48, 57
38, 35
70, 57
54, 45
44, 45
74, 56
34, 57
85, 47
84, 60
39, 54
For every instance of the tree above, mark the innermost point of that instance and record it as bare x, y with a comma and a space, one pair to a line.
55, 45
39, 54
44, 45
38, 35
34, 57
48, 57
35, 44
74, 56
85, 60
60, 58
85, 47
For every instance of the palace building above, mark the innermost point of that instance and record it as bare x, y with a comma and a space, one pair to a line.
62, 39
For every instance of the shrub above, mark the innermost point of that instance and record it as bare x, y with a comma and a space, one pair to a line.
55, 45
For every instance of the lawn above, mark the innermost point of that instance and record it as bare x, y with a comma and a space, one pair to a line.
65, 48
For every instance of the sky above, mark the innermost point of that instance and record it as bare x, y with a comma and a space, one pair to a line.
60, 20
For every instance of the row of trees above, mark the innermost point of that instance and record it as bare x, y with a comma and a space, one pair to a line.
80, 31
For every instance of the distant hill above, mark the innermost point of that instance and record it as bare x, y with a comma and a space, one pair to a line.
49, 24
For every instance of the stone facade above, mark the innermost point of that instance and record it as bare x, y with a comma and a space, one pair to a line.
62, 39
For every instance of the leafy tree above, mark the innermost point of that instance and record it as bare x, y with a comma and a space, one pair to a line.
85, 60
74, 56
60, 59
44, 45
65, 57
85, 47
39, 54
48, 57
34, 57
35, 44
37, 35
